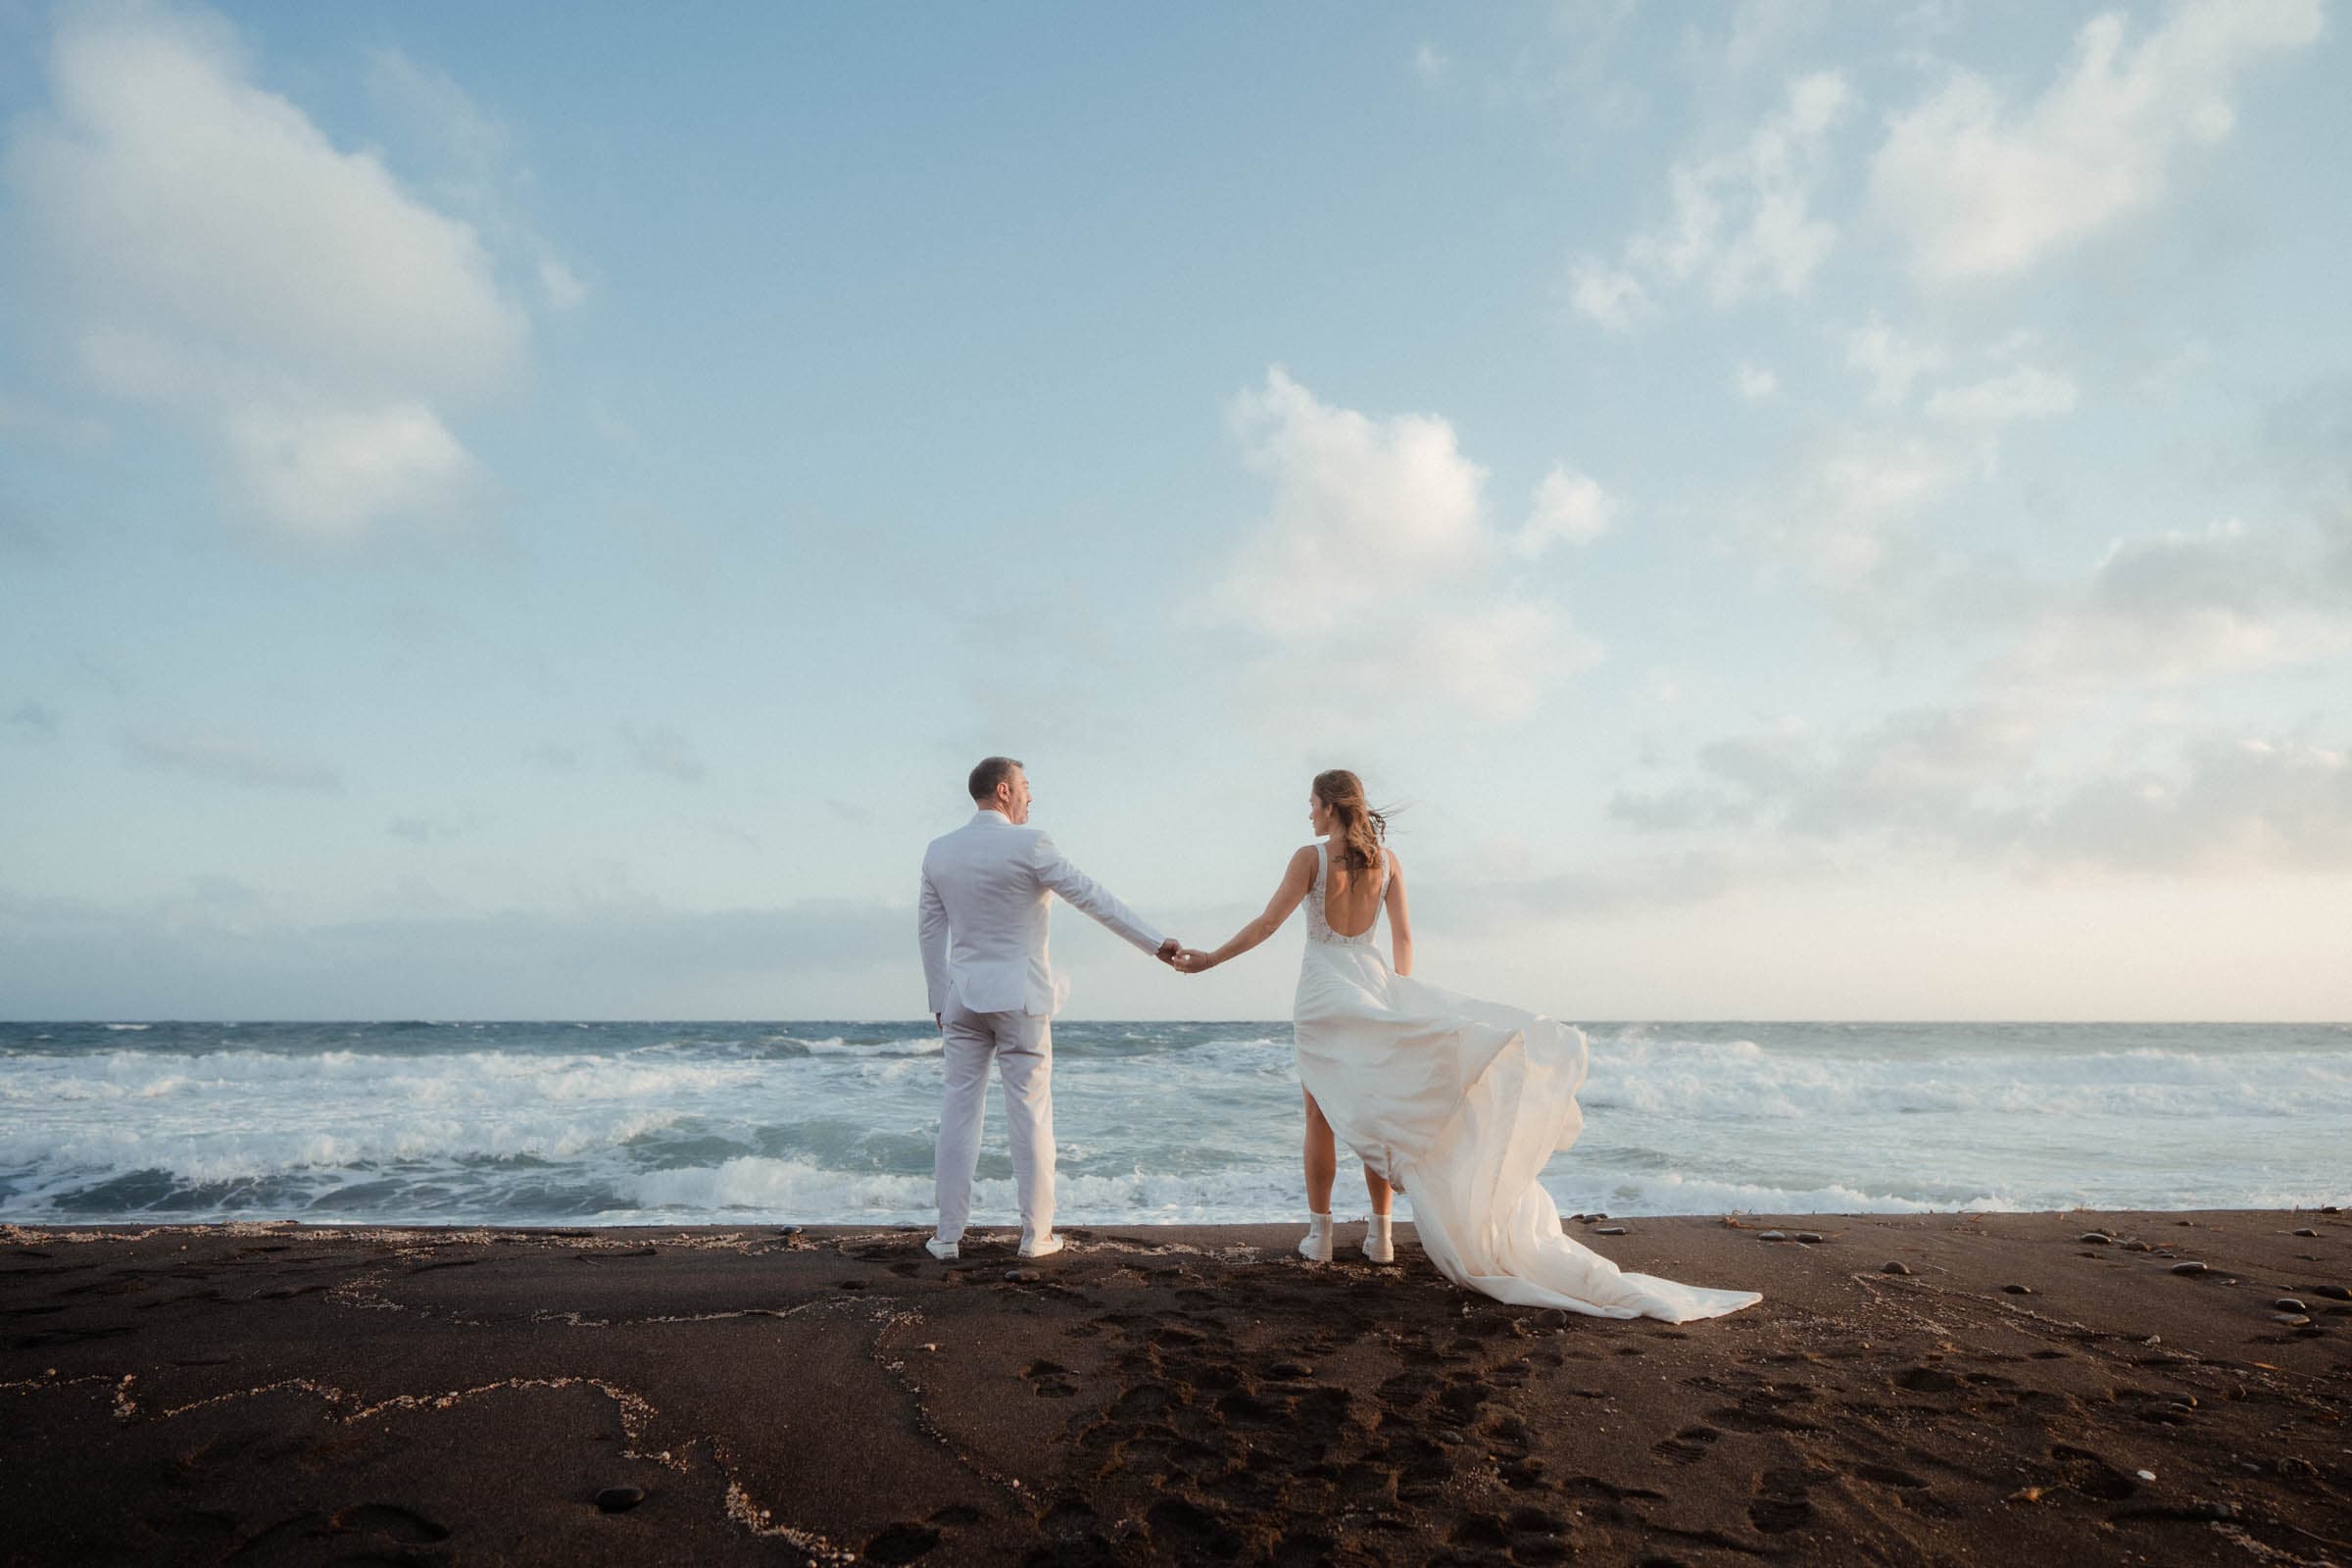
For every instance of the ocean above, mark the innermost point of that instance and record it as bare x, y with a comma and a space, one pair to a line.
832, 1123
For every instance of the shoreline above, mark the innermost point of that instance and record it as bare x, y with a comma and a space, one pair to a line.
286, 1392
1249, 1233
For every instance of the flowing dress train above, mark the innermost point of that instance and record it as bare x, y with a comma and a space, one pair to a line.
1459, 1103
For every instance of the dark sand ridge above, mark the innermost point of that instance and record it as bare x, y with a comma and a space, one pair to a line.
266, 1393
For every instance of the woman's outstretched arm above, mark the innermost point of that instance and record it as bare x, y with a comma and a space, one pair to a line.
1401, 920
1296, 878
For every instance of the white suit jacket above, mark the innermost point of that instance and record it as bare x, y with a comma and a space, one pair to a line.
986, 889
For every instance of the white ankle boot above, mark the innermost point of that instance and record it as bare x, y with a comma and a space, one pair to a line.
1316, 1246
1378, 1246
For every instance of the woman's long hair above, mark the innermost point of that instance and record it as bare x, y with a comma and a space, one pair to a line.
1361, 828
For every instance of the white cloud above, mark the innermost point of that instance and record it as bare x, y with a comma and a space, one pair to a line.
1569, 508
2027, 761
1610, 296
565, 290
215, 254
1378, 569
1742, 224
1430, 65
2175, 609
1963, 780
1890, 361
328, 475
1845, 516
476, 167
2233, 806
1981, 189
436, 107
1755, 382
1360, 507
1917, 771
2025, 393
1494, 662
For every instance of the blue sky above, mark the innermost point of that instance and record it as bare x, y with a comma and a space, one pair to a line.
1817, 511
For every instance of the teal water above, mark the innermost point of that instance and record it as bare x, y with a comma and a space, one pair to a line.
816, 1122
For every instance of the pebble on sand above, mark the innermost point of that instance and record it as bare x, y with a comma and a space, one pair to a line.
2333, 1293
2135, 1245
1771, 1236
619, 1499
1896, 1267
1808, 1236
1023, 1276
2307, 1231
2286, 1303
2290, 1320
2018, 1290
1610, 1230
2095, 1239
2190, 1268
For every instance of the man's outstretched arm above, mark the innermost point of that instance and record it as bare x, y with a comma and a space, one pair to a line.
1091, 898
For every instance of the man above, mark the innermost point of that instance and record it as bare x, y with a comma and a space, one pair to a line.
986, 891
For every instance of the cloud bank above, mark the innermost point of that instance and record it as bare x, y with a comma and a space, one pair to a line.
217, 258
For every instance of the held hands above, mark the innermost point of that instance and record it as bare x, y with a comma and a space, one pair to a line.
1183, 959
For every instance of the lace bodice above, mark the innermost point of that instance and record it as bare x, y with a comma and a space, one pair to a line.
1318, 928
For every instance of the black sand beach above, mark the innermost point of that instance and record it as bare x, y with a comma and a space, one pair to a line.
282, 1393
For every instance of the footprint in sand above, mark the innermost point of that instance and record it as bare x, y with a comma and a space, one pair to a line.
1687, 1446
1781, 1504
1927, 1380
1189, 1530
2092, 1475
900, 1544
388, 1519
1048, 1380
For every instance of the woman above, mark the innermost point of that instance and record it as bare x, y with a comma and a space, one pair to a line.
1456, 1101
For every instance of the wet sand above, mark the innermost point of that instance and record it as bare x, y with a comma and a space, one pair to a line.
284, 1393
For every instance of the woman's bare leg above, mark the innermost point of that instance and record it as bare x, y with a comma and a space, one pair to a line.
1322, 1159
1383, 1195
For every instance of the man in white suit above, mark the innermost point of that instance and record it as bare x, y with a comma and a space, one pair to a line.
987, 888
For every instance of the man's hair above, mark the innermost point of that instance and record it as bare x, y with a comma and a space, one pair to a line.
991, 771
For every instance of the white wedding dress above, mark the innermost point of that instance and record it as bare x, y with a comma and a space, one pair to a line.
1459, 1102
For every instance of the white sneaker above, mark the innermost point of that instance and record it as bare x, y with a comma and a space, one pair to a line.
1378, 1246
1045, 1246
1315, 1244
945, 1251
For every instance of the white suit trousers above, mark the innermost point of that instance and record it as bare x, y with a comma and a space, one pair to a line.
1022, 1046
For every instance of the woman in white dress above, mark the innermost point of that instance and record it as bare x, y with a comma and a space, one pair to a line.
1455, 1101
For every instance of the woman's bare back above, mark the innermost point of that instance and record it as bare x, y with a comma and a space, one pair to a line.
1352, 896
